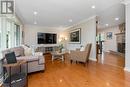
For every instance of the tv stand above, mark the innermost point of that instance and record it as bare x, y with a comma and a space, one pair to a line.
47, 48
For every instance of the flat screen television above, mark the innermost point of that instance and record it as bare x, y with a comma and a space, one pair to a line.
46, 38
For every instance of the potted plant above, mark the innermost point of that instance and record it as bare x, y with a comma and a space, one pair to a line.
61, 47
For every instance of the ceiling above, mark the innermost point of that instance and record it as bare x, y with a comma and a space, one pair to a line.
62, 13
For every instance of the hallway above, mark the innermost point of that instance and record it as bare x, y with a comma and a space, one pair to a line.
111, 59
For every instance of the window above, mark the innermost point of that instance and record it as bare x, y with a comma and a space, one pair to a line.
0, 36
100, 37
0, 50
0, 32
10, 35
17, 34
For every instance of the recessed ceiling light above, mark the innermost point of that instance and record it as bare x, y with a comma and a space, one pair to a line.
116, 19
35, 13
35, 22
106, 24
60, 80
70, 20
93, 6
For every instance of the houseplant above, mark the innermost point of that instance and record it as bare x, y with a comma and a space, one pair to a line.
61, 47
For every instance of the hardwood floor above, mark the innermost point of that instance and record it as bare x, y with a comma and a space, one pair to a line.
64, 74
112, 59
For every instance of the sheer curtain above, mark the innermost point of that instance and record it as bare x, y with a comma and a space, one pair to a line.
0, 49
10, 35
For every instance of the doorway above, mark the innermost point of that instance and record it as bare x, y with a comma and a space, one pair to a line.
111, 45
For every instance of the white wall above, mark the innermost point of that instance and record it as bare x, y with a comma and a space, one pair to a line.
88, 35
127, 56
30, 33
110, 44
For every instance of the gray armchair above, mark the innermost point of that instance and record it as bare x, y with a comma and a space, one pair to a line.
81, 56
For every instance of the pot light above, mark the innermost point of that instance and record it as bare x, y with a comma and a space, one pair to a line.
70, 20
107, 24
35, 22
108, 84
35, 13
116, 19
93, 6
60, 80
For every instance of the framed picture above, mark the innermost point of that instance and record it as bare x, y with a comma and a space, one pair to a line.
75, 36
109, 35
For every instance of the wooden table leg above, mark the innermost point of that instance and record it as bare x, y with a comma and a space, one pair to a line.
10, 76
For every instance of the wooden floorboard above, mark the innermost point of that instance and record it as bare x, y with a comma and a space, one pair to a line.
112, 59
64, 74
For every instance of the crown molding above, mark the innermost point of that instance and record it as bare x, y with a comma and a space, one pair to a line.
125, 2
82, 21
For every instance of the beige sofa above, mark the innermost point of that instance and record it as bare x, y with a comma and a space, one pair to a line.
35, 62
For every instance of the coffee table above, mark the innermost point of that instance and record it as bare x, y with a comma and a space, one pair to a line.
58, 55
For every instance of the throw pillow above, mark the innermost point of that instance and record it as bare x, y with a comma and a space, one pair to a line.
10, 57
27, 50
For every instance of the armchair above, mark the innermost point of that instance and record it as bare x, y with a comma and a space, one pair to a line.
81, 56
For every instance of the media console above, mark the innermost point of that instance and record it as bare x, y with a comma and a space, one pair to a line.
47, 48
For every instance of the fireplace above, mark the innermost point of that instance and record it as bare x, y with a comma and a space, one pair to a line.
120, 38
121, 47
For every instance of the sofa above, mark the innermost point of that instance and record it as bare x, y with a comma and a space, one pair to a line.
36, 62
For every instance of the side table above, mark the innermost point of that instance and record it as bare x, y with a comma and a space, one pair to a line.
16, 80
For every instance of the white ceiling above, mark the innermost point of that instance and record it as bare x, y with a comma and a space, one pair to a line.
55, 13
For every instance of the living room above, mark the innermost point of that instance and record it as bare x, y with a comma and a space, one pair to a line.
37, 32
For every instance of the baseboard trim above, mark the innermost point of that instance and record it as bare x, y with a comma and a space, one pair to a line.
93, 59
127, 69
